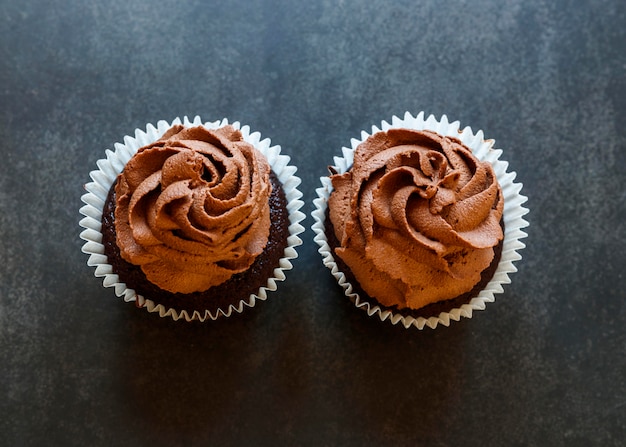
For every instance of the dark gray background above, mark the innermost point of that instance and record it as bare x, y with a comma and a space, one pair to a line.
543, 365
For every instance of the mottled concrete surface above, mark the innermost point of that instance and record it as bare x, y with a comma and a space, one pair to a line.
544, 365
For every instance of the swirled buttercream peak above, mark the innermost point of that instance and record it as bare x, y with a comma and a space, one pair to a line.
192, 208
416, 216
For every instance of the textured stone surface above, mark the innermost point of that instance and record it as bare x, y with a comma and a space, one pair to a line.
544, 365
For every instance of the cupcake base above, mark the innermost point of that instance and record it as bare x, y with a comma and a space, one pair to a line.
430, 310
231, 292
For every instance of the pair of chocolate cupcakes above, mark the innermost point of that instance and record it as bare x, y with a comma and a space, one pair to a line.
199, 220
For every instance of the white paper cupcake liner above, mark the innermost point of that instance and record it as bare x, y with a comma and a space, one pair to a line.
113, 164
513, 219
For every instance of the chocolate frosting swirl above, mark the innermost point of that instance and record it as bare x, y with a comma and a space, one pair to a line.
192, 208
417, 217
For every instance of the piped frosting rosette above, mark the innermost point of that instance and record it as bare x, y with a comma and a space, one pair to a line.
175, 220
420, 196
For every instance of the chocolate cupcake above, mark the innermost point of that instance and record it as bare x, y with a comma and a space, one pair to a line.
420, 222
192, 220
